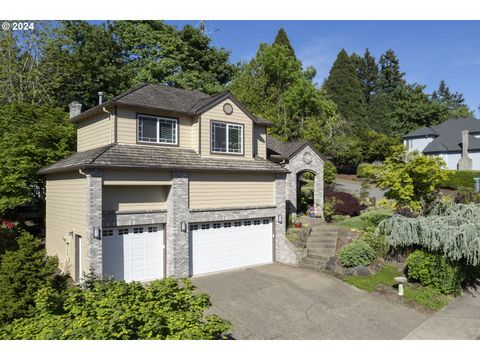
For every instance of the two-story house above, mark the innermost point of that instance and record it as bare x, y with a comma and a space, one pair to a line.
456, 141
170, 182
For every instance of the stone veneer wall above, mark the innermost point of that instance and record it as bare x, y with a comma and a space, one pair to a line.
94, 219
177, 241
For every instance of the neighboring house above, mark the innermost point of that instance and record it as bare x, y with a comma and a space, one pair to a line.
457, 141
170, 182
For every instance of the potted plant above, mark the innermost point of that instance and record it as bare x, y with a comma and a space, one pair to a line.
297, 224
311, 211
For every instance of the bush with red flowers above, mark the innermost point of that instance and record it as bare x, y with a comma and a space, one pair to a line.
8, 233
345, 204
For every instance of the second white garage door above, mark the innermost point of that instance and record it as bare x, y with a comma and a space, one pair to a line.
133, 253
227, 245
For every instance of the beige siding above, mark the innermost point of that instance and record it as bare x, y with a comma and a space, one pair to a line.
260, 141
127, 126
95, 132
195, 135
219, 190
136, 175
134, 198
66, 208
237, 117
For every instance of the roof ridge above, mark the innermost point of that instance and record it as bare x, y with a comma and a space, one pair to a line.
108, 147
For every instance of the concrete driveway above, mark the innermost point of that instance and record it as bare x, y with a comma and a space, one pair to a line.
282, 302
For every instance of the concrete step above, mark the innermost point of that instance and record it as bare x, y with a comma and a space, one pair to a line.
315, 232
311, 267
320, 244
322, 237
315, 260
321, 250
323, 255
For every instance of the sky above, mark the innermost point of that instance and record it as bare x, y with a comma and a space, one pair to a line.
429, 51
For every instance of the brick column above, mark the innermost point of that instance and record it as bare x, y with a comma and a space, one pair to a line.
291, 184
284, 250
178, 263
94, 219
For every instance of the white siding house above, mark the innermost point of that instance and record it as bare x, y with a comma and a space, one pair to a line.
446, 140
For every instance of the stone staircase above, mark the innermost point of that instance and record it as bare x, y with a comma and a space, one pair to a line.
321, 246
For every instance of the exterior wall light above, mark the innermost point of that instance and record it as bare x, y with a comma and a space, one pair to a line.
279, 218
183, 226
96, 232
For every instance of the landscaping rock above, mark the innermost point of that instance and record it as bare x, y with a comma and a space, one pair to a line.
331, 264
358, 271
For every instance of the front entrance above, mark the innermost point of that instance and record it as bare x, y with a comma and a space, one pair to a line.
134, 253
227, 245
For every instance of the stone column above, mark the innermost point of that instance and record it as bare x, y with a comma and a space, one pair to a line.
94, 220
177, 241
291, 193
318, 193
284, 249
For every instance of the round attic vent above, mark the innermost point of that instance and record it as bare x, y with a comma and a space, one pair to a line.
228, 108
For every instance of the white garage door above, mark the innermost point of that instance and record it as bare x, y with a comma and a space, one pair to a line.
133, 252
228, 245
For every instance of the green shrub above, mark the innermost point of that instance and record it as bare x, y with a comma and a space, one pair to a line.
357, 253
377, 242
22, 273
373, 218
435, 271
110, 309
465, 195
368, 170
329, 172
459, 178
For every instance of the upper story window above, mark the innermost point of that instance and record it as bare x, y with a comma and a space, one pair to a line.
227, 138
153, 129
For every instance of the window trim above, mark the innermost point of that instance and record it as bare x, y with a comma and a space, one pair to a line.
157, 118
242, 142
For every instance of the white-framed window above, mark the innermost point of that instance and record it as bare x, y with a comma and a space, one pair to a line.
227, 138
158, 130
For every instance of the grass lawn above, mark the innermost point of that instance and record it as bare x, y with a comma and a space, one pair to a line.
359, 222
355, 222
372, 282
413, 293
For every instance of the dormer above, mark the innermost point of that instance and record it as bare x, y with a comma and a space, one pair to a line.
159, 115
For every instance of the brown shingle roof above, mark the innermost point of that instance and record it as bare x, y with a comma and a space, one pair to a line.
156, 157
168, 98
287, 150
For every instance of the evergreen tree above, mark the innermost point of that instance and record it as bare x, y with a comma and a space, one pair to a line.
367, 71
282, 39
344, 88
453, 103
390, 76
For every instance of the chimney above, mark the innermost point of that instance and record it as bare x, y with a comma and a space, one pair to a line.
465, 163
100, 97
75, 108
465, 143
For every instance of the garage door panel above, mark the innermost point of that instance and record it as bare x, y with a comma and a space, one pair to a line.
229, 245
134, 253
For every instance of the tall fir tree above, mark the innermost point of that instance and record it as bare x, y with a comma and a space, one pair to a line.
390, 76
367, 71
444, 95
344, 88
282, 39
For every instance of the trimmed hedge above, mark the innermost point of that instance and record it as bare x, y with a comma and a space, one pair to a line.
368, 170
345, 204
459, 178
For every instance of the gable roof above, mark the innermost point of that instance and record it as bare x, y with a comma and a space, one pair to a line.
156, 157
167, 98
448, 135
287, 150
